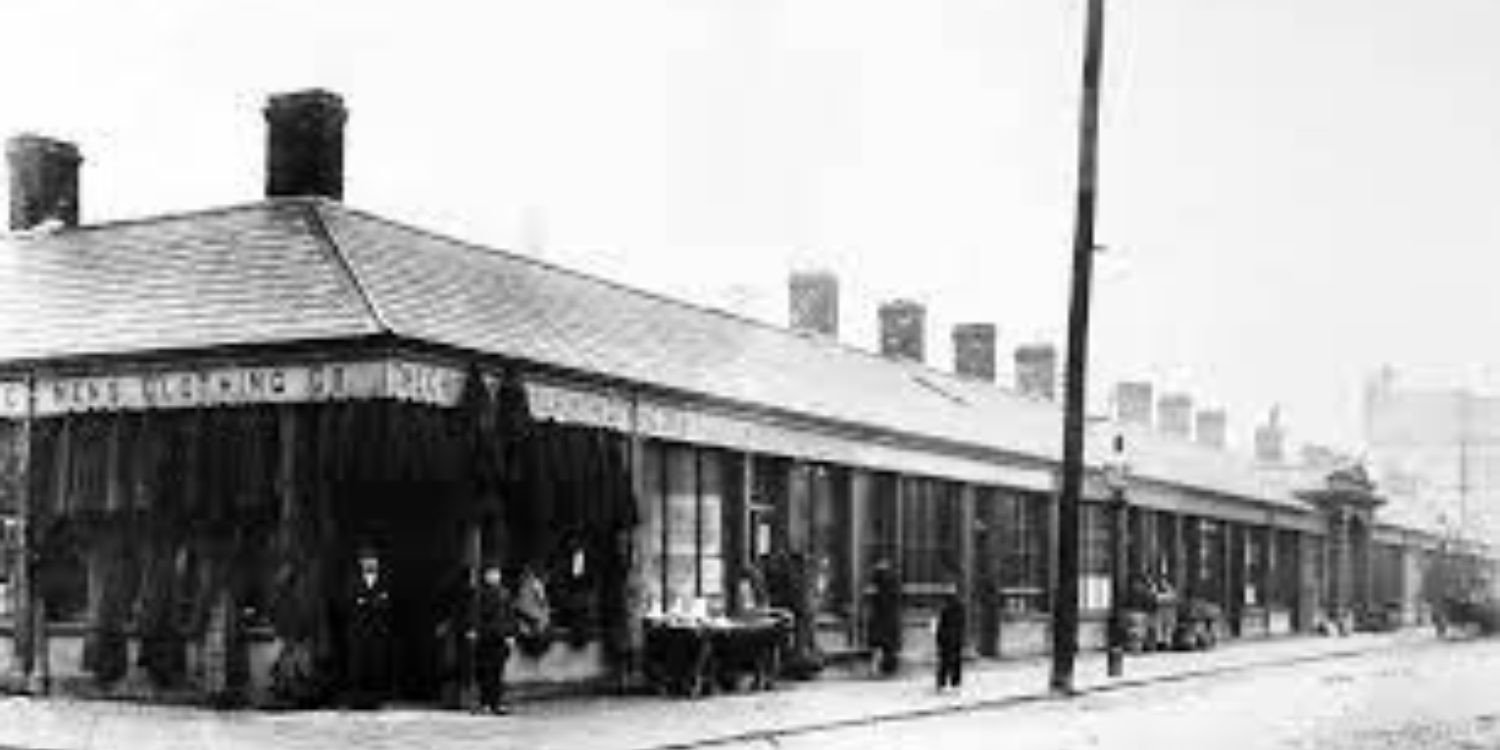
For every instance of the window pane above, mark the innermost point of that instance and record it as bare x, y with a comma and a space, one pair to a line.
710, 524
649, 536
682, 525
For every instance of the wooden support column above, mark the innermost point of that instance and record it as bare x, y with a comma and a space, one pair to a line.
1271, 594
968, 556
636, 579
897, 550
1180, 563
23, 639
1227, 596
859, 513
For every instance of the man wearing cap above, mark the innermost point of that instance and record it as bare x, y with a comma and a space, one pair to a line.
494, 626
369, 641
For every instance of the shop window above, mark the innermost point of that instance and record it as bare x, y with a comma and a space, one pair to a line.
830, 536
1286, 573
10, 552
1022, 531
1095, 566
1208, 567
1254, 551
684, 493
931, 529
880, 532
652, 529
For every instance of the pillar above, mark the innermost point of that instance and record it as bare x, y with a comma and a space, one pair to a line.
23, 643
969, 556
859, 513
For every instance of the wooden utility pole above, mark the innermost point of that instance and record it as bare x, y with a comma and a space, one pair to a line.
1065, 603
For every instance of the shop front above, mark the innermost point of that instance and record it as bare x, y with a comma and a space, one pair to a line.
192, 528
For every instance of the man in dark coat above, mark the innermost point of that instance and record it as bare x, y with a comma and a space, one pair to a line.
951, 624
494, 627
884, 627
369, 642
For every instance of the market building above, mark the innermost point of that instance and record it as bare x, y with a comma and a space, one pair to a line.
204, 415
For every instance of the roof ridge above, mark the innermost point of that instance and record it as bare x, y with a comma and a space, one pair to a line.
196, 213
824, 342
312, 211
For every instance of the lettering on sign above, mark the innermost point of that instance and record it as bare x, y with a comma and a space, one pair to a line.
232, 386
557, 403
12, 399
422, 383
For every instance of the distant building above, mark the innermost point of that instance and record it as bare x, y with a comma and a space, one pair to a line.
1443, 444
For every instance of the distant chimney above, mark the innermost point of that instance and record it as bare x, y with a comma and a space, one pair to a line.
1270, 440
813, 297
1174, 415
1036, 371
903, 330
974, 351
305, 144
1212, 428
43, 181
1134, 400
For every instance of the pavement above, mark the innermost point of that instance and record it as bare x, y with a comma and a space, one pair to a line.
639, 722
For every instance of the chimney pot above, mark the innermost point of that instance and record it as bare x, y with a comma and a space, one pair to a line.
813, 297
1036, 371
305, 144
43, 181
903, 330
974, 350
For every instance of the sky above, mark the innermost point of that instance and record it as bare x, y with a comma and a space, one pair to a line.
1293, 193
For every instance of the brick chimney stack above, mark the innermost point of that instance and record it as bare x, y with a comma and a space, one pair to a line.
1212, 428
813, 299
305, 144
1174, 415
1036, 371
1134, 401
43, 181
903, 326
1270, 440
974, 351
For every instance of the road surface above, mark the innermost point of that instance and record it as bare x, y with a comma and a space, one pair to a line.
1439, 695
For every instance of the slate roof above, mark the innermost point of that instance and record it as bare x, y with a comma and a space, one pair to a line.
306, 269
233, 276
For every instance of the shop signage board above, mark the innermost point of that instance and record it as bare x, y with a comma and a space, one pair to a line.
413, 381
199, 387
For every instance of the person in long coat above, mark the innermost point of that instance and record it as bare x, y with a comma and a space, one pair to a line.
494, 627
369, 633
884, 633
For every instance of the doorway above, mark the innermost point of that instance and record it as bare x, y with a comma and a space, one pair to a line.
419, 530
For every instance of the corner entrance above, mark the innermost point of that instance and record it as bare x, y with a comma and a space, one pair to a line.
419, 530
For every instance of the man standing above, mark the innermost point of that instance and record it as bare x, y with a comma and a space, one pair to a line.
494, 625
369, 641
951, 624
884, 631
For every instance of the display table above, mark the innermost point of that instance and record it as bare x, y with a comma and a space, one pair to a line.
693, 656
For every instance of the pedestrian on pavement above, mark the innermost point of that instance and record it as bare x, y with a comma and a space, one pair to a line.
884, 626
951, 624
494, 628
369, 635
